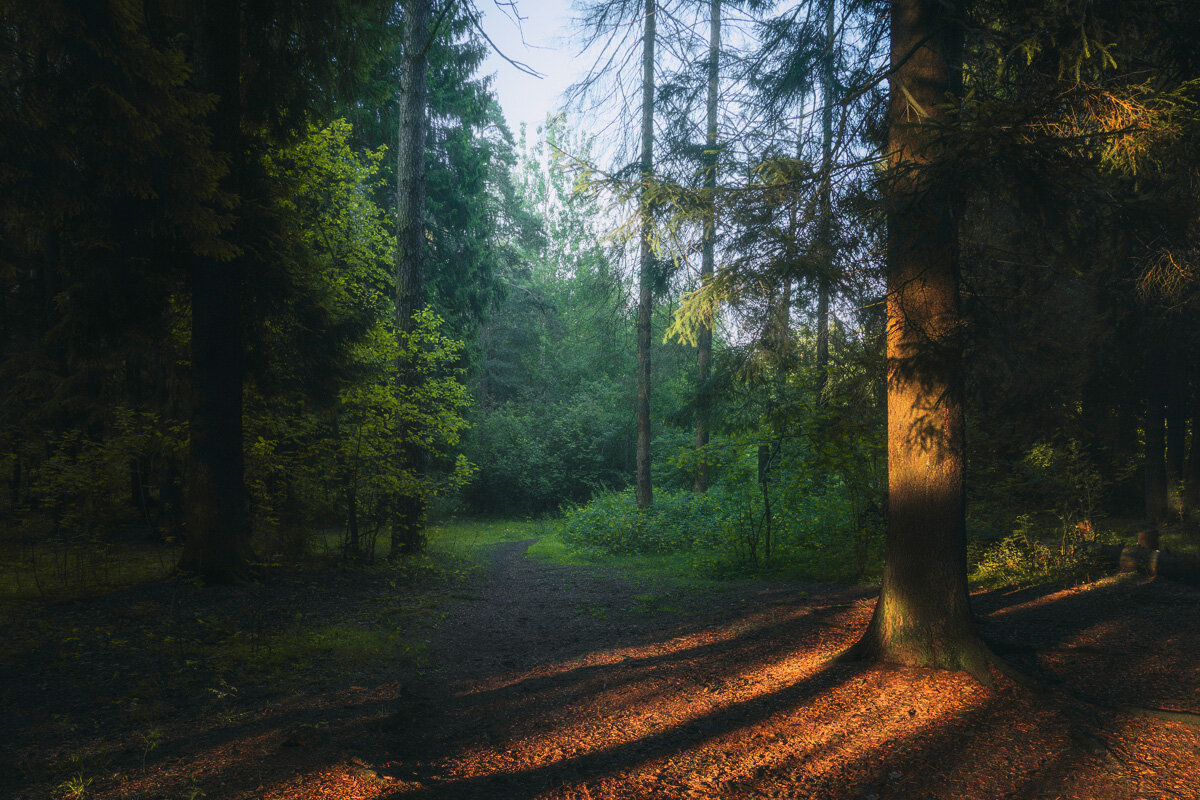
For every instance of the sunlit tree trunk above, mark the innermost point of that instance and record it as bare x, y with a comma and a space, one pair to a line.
645, 491
408, 534
923, 616
705, 336
217, 541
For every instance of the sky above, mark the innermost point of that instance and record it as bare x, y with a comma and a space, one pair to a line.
546, 48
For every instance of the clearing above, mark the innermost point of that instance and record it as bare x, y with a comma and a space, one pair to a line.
529, 679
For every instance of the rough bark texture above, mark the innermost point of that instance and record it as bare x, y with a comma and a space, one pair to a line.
707, 246
645, 491
408, 527
923, 615
217, 543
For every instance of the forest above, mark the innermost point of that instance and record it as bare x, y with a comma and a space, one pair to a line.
808, 407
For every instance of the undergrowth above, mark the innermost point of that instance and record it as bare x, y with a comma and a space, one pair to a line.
728, 534
1035, 553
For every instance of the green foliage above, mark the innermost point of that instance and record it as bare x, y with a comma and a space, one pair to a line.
328, 421
723, 534
1022, 558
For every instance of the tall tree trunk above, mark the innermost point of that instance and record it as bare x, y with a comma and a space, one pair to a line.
777, 341
645, 491
217, 542
705, 336
408, 534
1155, 441
824, 278
923, 614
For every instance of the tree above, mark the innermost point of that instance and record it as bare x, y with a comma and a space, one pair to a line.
645, 491
217, 545
923, 616
407, 531
704, 336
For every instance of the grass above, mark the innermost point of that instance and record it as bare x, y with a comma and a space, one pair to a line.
336, 647
470, 539
76, 571
677, 570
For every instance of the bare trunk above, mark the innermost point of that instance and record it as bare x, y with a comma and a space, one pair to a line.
645, 491
704, 338
217, 542
824, 278
923, 615
408, 534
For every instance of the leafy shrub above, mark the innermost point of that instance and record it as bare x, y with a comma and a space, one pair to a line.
1022, 558
824, 537
535, 457
611, 523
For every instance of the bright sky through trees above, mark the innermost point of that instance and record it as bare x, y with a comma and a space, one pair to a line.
546, 47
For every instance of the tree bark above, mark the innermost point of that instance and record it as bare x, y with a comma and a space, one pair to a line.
923, 615
408, 535
824, 279
217, 541
707, 247
645, 491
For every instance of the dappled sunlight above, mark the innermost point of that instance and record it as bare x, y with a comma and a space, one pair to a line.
743, 701
672, 648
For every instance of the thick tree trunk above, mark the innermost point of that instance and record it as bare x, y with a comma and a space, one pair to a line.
217, 542
708, 245
408, 526
923, 615
645, 491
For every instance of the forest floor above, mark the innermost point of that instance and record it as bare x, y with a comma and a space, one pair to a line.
524, 679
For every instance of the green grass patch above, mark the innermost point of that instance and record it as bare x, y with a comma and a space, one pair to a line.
1181, 541
76, 571
470, 538
677, 570
305, 649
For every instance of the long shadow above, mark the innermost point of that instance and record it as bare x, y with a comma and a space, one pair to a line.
532, 782
1043, 615
575, 634
1146, 654
796, 632
431, 706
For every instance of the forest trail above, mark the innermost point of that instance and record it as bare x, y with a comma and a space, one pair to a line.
570, 682
575, 682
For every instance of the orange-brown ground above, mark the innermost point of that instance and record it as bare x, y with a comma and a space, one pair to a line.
560, 682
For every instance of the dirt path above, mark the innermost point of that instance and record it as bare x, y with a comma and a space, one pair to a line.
558, 684
573, 683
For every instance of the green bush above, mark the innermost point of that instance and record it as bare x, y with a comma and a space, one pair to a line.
611, 523
1023, 559
824, 537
